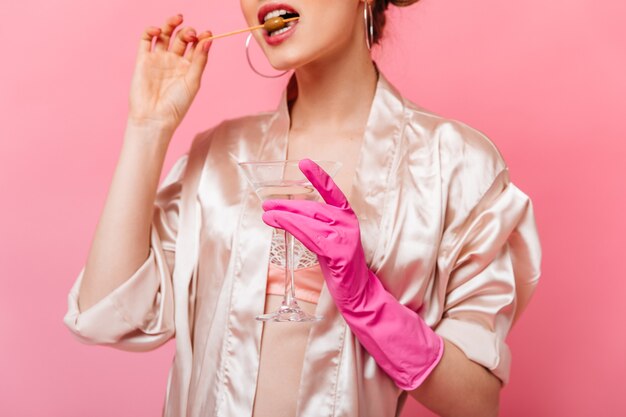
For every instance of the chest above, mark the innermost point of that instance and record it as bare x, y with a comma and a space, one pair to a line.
342, 147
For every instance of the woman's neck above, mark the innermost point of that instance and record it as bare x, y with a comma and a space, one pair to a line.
335, 96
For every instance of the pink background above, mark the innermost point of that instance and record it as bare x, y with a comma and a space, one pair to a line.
544, 79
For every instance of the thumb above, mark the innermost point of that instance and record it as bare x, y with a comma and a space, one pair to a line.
199, 58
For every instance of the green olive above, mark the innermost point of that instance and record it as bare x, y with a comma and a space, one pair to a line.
275, 23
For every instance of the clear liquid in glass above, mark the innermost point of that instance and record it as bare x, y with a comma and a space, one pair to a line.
286, 190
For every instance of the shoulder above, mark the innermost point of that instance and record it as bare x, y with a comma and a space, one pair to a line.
232, 137
235, 129
468, 160
222, 142
457, 141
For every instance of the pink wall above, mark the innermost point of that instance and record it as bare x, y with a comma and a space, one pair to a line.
545, 80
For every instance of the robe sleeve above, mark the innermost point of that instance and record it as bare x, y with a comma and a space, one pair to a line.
139, 314
490, 256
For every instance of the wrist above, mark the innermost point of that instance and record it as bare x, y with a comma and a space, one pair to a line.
349, 295
153, 125
365, 296
398, 339
151, 133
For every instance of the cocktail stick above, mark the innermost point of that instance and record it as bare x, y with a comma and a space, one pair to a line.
270, 25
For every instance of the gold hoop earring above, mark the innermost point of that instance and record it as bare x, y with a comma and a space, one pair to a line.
368, 20
252, 66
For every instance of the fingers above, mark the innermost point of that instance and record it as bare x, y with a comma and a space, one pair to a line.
199, 40
145, 44
181, 39
199, 57
163, 41
312, 209
311, 233
323, 183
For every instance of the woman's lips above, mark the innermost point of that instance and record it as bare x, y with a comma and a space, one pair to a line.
266, 8
280, 38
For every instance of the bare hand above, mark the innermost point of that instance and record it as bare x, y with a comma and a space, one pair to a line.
167, 77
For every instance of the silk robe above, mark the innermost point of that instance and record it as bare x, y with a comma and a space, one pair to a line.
442, 226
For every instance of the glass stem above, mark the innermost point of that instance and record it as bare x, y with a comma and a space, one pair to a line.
290, 294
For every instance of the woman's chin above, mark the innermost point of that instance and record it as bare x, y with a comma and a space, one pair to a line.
286, 61
282, 66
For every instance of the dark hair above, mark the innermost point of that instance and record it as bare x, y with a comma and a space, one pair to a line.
378, 14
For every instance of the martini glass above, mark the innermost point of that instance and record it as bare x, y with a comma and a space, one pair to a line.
284, 180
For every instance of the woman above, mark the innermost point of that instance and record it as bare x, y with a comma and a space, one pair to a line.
427, 252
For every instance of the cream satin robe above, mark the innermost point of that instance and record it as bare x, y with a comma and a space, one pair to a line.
442, 226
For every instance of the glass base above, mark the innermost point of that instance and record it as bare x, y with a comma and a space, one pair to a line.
289, 313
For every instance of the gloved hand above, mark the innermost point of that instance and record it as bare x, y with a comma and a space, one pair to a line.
402, 344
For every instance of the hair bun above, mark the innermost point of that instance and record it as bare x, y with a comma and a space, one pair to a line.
378, 14
401, 3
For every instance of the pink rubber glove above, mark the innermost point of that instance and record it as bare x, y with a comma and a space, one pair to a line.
402, 344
